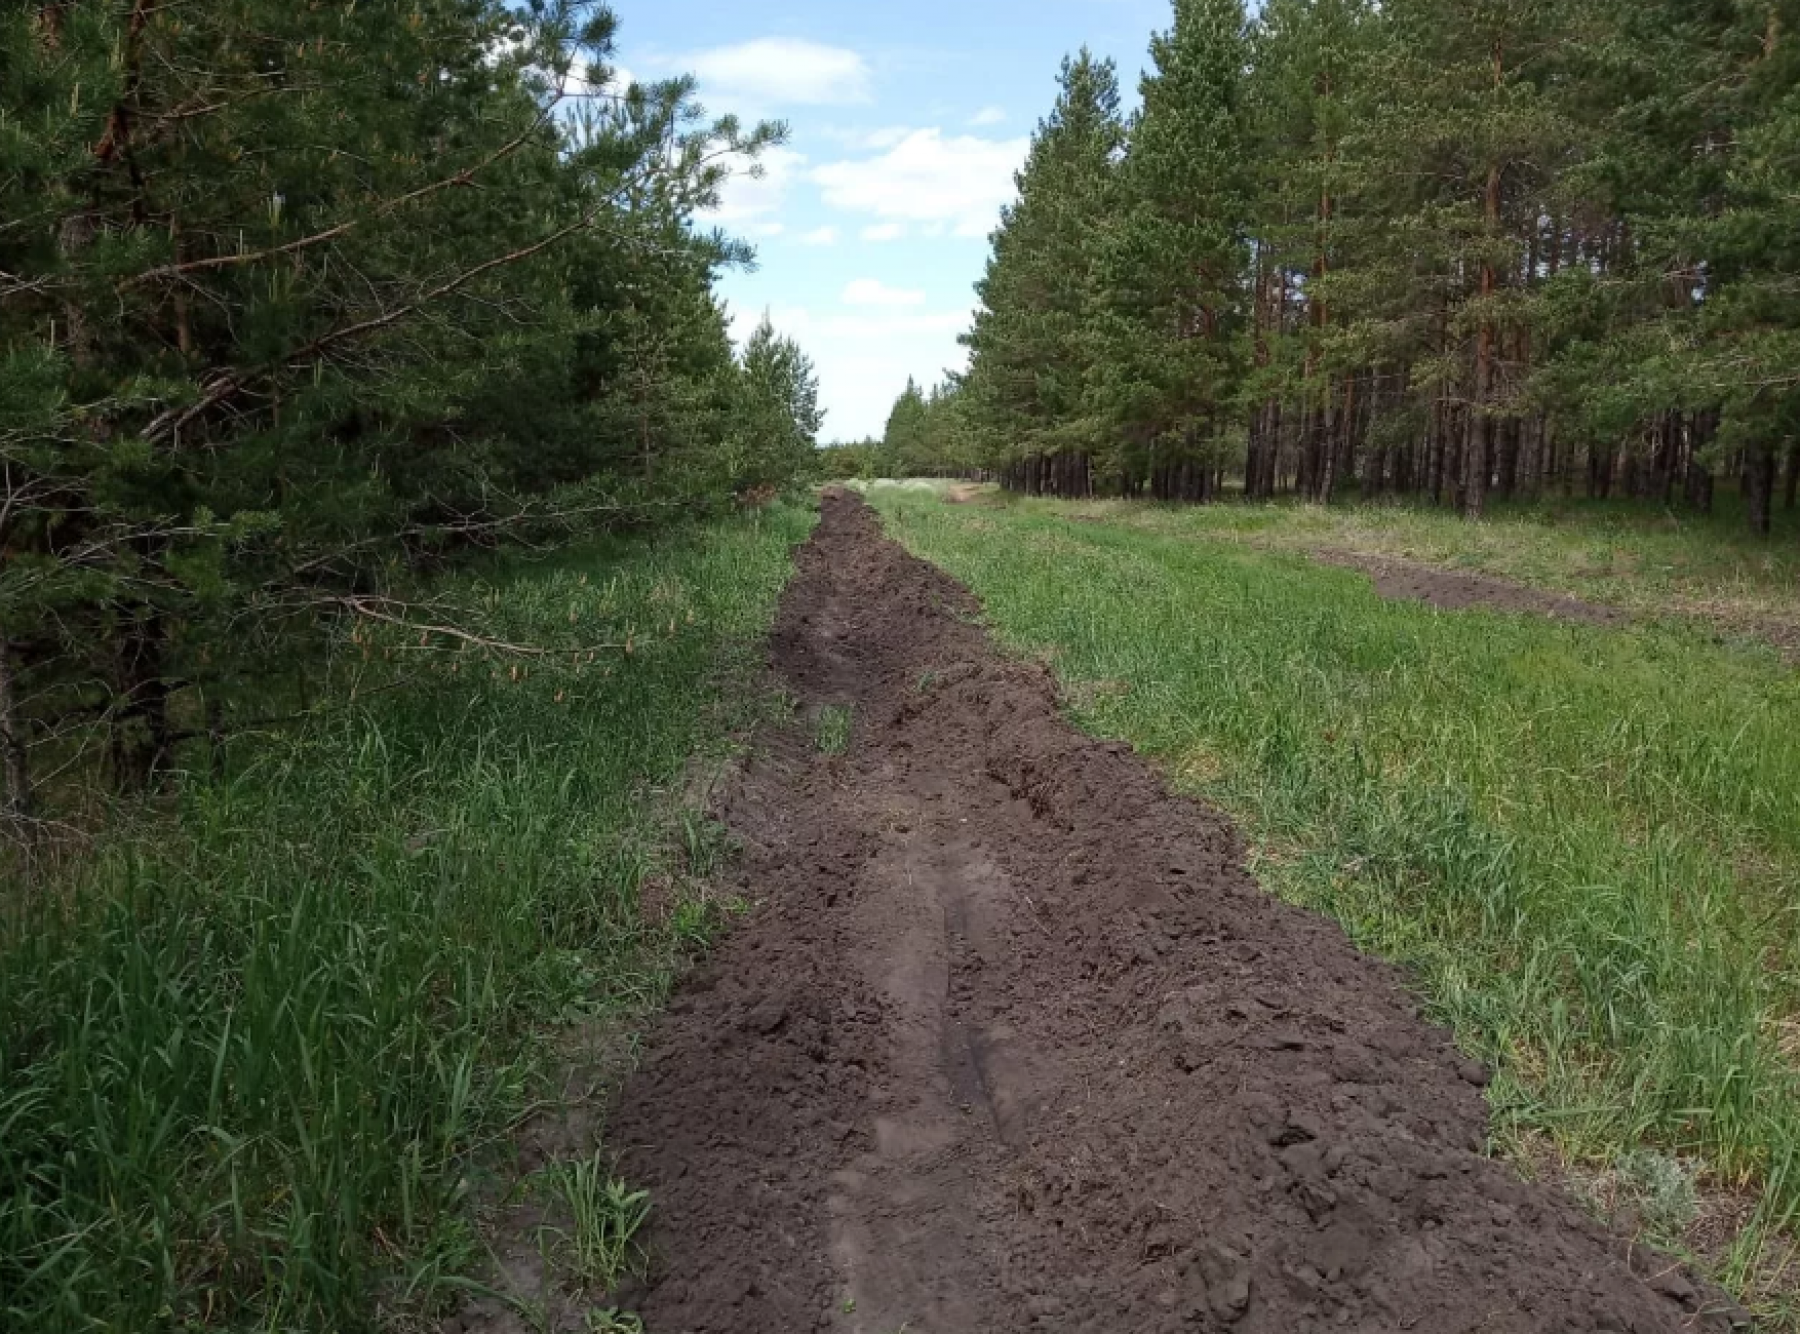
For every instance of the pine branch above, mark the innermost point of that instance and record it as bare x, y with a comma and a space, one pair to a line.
229, 384
465, 177
381, 610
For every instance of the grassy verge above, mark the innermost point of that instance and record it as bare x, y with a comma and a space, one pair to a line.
248, 1058
1585, 842
1643, 557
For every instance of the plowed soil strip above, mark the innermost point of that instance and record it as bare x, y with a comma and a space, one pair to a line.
1011, 1041
1457, 590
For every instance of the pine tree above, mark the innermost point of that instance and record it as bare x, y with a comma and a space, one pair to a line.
1749, 359
1485, 246
781, 417
1032, 345
291, 294
1481, 132
905, 444
1312, 71
1173, 259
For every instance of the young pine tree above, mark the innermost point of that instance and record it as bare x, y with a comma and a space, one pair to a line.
1173, 260
904, 444
1033, 343
779, 418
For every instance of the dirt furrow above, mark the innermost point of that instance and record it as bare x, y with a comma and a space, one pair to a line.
1399, 579
1011, 1041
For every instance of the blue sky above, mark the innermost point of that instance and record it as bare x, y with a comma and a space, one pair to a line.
908, 121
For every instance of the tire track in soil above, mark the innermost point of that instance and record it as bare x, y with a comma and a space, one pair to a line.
1012, 1042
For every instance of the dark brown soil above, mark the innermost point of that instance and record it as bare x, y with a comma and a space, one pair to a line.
1455, 590
1010, 1041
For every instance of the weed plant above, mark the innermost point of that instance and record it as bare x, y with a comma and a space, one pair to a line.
833, 731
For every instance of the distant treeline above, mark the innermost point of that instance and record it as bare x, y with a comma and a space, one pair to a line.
1443, 248
296, 300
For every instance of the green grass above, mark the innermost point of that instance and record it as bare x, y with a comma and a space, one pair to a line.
833, 730
1643, 557
605, 1216
1585, 842
252, 1058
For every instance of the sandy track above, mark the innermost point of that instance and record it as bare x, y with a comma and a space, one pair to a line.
1012, 1042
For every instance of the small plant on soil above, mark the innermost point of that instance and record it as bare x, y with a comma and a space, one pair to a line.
605, 1217
696, 924
614, 1322
834, 729
1661, 1188
705, 842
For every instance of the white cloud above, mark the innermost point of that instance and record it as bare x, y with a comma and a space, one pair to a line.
884, 231
748, 198
961, 180
988, 116
885, 136
863, 359
820, 236
874, 292
780, 71
878, 328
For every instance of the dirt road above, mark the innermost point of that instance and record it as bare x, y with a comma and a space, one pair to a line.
1012, 1042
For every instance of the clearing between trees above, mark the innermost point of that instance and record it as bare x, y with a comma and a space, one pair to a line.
1012, 1040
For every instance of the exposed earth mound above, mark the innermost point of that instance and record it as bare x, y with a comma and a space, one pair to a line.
1011, 1041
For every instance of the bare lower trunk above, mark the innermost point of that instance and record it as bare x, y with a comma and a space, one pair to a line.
141, 739
1325, 476
1600, 473
15, 770
1479, 463
1759, 487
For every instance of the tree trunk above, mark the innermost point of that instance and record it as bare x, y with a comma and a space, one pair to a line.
1510, 446
1479, 463
1303, 451
140, 738
1759, 486
1699, 486
15, 770
1476, 461
1271, 462
1697, 473
1330, 442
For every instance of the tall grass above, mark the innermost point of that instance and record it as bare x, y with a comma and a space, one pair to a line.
1586, 842
249, 1058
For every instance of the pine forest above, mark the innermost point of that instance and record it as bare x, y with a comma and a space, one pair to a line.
1443, 249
